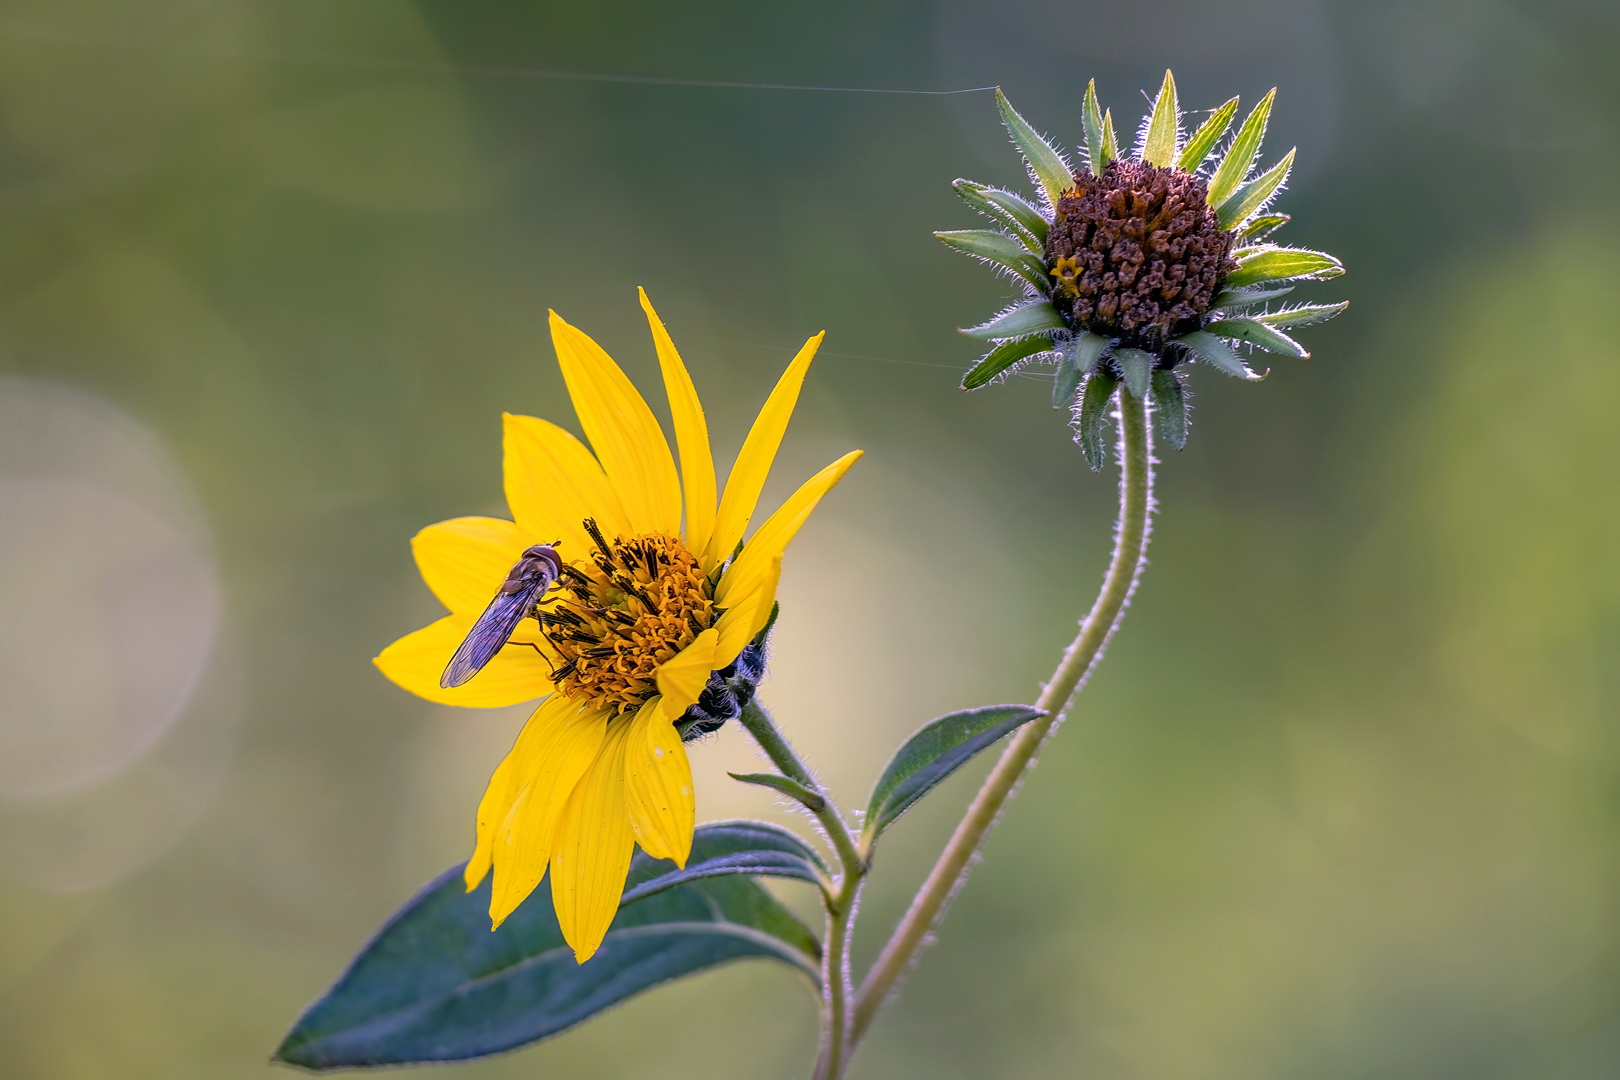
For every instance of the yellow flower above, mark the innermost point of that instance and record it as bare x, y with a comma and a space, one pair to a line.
648, 607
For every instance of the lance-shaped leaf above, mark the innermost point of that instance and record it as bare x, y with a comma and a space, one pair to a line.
1302, 314
436, 984
1137, 367
1091, 426
939, 748
1233, 299
1282, 264
1163, 129
1234, 167
1260, 335
1262, 225
1003, 358
785, 785
756, 848
1046, 165
1170, 408
1091, 119
1253, 195
1032, 317
1080, 355
1006, 209
1000, 250
1204, 139
1218, 354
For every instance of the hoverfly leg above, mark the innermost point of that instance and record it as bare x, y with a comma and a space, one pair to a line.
531, 644
536, 647
575, 575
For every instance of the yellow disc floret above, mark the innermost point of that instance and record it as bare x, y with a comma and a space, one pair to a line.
616, 619
1067, 271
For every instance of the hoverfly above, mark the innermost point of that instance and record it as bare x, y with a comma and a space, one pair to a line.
518, 597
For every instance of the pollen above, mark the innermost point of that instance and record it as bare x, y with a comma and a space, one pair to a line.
635, 604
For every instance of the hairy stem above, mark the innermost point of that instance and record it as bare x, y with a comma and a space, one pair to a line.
837, 993
782, 755
1130, 545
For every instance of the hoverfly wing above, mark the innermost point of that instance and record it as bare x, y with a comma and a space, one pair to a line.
492, 630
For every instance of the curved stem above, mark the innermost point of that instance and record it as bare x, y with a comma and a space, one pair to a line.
1130, 544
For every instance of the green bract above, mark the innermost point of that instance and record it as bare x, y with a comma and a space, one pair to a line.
1132, 266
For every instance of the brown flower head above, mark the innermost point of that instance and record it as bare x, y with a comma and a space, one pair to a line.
1143, 251
1140, 261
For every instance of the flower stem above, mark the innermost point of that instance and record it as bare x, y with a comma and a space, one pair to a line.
1130, 545
780, 751
841, 900
838, 994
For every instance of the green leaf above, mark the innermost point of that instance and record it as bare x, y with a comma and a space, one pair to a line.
1003, 358
1302, 315
1096, 155
1242, 298
1282, 264
1008, 210
1260, 335
786, 785
1262, 225
1137, 367
1079, 356
1204, 139
1240, 155
1092, 425
436, 984
1032, 317
1164, 128
1218, 354
1253, 195
938, 749
1169, 408
756, 848
1000, 250
1110, 142
1046, 165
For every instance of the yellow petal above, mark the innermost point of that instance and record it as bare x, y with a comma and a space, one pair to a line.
553, 483
622, 431
464, 560
747, 477
772, 537
491, 811
592, 847
562, 745
658, 785
691, 434
681, 679
500, 793
416, 661
746, 617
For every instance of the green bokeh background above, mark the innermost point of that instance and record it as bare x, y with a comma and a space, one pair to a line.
1341, 803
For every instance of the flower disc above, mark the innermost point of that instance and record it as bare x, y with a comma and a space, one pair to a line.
633, 607
1136, 251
